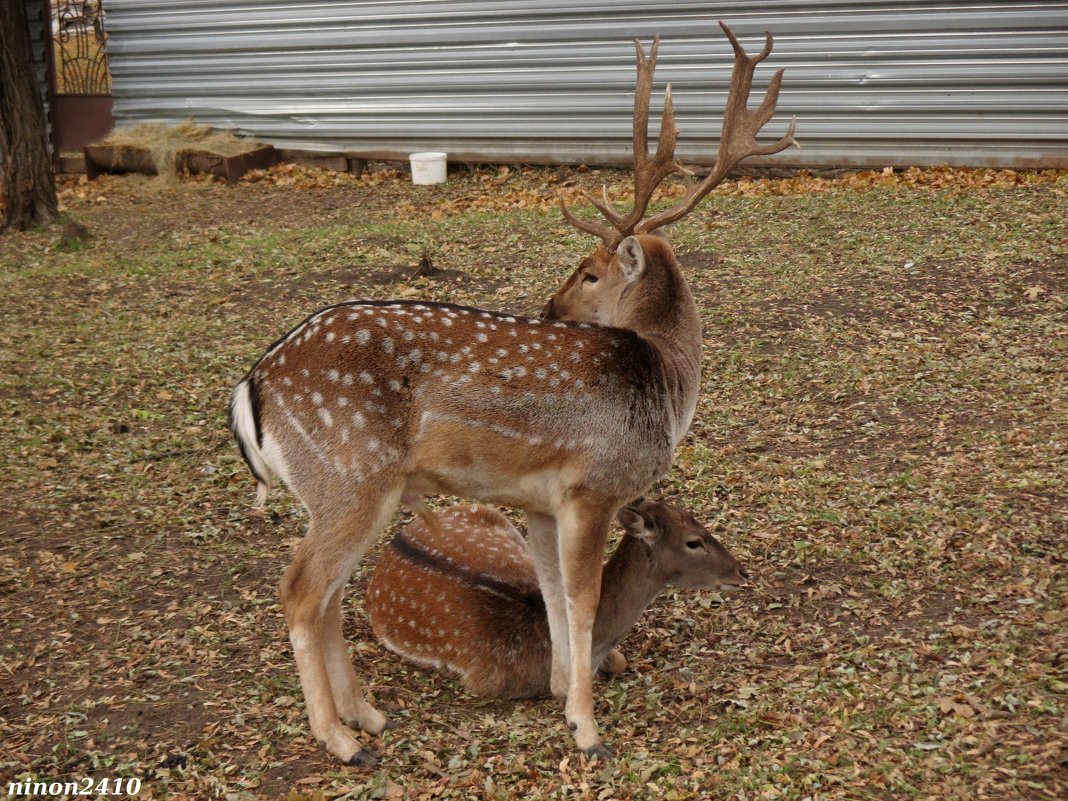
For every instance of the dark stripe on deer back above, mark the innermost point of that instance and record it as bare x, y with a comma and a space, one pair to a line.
448, 568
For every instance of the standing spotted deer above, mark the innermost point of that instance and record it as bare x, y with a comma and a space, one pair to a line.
463, 594
367, 404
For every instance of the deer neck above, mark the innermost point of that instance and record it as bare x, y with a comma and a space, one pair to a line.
662, 310
628, 585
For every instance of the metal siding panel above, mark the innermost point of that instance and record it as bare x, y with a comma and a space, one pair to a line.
872, 83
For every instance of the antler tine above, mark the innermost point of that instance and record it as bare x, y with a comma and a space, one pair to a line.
643, 90
740, 129
607, 235
604, 205
739, 51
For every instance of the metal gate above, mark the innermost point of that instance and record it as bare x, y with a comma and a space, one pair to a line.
80, 79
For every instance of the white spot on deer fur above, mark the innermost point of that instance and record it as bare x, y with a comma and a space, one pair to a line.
317, 398
330, 336
387, 345
281, 359
524, 348
358, 419
482, 338
305, 372
366, 378
333, 375
395, 385
326, 417
475, 367
521, 371
446, 321
287, 381
363, 336
342, 401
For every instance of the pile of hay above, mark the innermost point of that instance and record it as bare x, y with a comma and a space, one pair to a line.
165, 143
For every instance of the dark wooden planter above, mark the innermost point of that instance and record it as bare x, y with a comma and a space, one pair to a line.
99, 160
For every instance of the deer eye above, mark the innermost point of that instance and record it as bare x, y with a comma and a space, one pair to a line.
589, 278
693, 545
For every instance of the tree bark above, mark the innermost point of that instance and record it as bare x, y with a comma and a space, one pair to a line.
27, 180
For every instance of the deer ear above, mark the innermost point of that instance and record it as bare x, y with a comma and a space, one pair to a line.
630, 258
636, 523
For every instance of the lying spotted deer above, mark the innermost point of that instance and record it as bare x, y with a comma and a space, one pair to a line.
464, 594
367, 404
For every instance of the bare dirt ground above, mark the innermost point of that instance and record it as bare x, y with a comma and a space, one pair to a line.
881, 438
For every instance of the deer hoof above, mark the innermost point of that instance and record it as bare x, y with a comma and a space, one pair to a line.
363, 759
614, 663
599, 751
373, 722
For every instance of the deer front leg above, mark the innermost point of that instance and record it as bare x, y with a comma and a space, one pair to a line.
543, 547
583, 536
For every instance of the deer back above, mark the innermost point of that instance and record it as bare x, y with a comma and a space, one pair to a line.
461, 401
463, 595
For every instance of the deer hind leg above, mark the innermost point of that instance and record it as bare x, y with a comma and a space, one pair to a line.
583, 536
324, 560
543, 547
352, 706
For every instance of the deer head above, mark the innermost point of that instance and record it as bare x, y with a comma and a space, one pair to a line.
632, 279
681, 551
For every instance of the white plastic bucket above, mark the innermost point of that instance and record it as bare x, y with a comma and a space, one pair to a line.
428, 168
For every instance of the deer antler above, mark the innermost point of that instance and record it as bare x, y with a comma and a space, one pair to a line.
649, 171
738, 141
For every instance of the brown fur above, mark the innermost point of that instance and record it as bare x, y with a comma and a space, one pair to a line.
369, 401
363, 405
465, 596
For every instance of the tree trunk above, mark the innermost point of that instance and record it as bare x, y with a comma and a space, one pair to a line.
27, 182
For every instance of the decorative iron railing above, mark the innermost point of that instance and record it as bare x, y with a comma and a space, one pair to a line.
78, 37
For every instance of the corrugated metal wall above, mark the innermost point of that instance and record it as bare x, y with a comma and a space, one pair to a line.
875, 83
